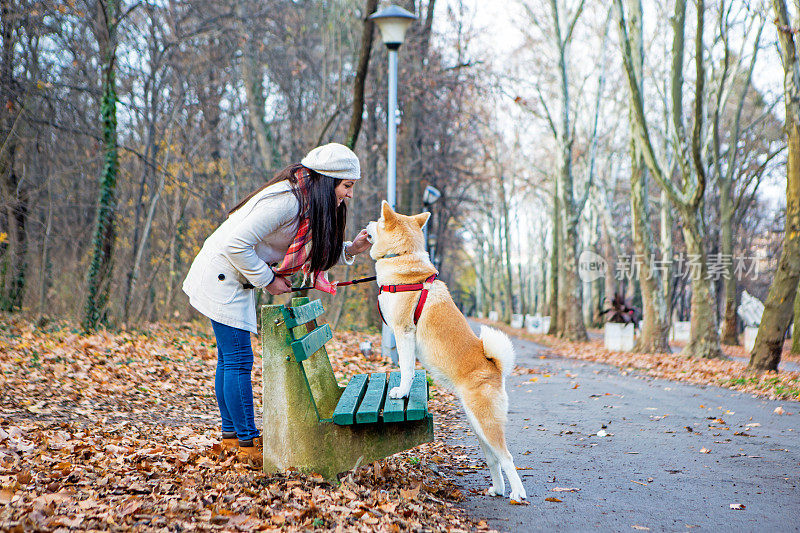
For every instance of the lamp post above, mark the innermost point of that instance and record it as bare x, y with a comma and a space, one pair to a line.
393, 22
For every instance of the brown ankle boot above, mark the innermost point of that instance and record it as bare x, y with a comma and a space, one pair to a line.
251, 452
229, 440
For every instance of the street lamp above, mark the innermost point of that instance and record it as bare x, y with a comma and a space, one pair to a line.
393, 23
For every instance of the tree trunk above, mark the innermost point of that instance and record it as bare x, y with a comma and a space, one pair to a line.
554, 263
688, 196
13, 245
666, 254
361, 75
151, 152
766, 353
100, 269
142, 244
796, 330
730, 334
778, 310
254, 92
46, 266
574, 328
653, 338
704, 336
726, 204
571, 318
506, 244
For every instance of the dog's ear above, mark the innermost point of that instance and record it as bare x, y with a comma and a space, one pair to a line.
422, 218
388, 214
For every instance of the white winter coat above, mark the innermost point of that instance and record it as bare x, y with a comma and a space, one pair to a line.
243, 249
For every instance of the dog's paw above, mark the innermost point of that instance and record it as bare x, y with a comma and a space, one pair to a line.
397, 392
519, 496
495, 491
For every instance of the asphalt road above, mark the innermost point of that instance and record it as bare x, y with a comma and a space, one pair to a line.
651, 470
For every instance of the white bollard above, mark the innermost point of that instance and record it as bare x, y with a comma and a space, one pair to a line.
533, 323
680, 331
618, 337
528, 320
750, 333
516, 321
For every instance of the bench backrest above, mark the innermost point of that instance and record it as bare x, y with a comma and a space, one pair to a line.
293, 331
307, 342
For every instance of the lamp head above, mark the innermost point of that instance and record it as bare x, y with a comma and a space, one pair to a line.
430, 195
393, 22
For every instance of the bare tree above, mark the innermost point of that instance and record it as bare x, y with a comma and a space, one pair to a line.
15, 189
361, 74
655, 315
777, 315
688, 197
107, 20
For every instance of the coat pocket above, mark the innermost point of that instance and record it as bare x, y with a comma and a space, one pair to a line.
220, 284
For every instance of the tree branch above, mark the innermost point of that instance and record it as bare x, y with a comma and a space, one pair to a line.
643, 135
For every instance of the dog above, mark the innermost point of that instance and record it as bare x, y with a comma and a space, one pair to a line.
439, 336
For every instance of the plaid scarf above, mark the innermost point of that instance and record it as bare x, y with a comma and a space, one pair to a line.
297, 255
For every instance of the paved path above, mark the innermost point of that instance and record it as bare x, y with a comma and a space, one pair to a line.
649, 472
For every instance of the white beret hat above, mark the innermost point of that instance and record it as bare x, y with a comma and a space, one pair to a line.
333, 160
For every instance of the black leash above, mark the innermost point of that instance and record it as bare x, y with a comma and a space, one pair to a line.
309, 287
340, 284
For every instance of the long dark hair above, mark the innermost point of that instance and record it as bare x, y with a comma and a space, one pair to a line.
327, 220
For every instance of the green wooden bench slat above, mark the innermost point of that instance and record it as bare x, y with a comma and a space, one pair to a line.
311, 342
418, 397
394, 409
373, 399
345, 412
297, 316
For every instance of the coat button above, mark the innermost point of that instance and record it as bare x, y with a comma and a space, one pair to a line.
221, 277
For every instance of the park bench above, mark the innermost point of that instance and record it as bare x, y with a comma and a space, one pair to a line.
313, 424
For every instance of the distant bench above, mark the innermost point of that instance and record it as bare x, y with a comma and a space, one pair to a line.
313, 424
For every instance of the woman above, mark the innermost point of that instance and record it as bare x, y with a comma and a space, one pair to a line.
294, 222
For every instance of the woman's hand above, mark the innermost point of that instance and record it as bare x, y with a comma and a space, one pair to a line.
360, 244
279, 285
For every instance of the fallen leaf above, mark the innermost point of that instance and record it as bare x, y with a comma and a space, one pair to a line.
779, 410
565, 489
551, 499
737, 506
705, 450
411, 494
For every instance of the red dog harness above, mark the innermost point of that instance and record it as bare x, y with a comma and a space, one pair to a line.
407, 288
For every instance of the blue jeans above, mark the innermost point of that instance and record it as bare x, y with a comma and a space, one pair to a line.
232, 381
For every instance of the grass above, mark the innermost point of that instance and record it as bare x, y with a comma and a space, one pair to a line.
780, 388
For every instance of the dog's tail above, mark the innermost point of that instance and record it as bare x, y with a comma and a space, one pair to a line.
497, 347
